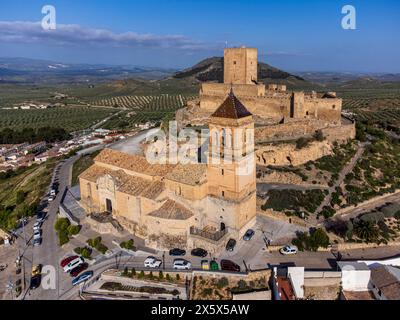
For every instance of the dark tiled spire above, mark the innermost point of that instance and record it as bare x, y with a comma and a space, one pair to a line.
231, 108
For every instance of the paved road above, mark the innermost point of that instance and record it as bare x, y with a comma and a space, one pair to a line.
132, 145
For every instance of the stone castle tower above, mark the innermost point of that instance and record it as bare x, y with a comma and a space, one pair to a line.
231, 168
240, 65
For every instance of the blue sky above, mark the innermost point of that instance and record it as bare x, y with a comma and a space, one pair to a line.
294, 35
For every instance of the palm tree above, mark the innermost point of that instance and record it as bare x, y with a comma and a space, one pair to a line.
366, 230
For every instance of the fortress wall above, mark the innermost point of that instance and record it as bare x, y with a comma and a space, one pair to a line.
274, 106
324, 109
223, 89
342, 133
289, 129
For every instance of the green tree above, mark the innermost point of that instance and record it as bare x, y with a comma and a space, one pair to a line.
366, 230
318, 239
73, 230
161, 275
62, 224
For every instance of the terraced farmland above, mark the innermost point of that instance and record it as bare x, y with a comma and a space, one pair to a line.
385, 115
152, 103
69, 118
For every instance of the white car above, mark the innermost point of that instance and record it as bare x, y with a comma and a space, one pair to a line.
51, 199
73, 264
53, 193
181, 264
37, 225
37, 234
152, 262
287, 250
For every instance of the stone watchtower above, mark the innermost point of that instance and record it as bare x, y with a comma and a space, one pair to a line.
231, 169
240, 65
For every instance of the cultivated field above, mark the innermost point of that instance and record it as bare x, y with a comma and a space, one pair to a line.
69, 118
163, 102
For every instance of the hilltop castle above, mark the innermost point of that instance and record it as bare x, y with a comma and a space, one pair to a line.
185, 205
278, 113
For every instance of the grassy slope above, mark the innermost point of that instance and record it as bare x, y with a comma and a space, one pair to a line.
81, 165
33, 181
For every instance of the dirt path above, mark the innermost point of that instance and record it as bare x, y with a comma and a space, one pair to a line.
342, 175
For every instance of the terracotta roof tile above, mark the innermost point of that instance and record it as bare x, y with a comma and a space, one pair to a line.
192, 174
172, 210
231, 108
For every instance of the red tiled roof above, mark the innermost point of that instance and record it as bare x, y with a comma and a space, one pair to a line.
231, 108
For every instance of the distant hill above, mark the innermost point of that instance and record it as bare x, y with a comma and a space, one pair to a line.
33, 71
212, 70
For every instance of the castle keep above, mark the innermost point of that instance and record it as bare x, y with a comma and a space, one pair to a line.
278, 113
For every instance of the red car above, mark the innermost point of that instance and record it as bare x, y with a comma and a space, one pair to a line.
82, 267
67, 260
229, 265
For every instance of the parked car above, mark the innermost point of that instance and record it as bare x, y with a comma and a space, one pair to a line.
67, 260
52, 192
40, 216
205, 265
51, 199
73, 264
37, 236
37, 225
37, 242
231, 245
37, 269
228, 265
248, 235
177, 252
214, 265
82, 278
35, 282
152, 262
82, 267
181, 264
37, 232
199, 252
287, 250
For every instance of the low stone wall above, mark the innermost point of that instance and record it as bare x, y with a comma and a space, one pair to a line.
282, 217
355, 246
102, 227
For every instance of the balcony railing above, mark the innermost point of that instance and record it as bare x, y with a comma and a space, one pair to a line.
215, 236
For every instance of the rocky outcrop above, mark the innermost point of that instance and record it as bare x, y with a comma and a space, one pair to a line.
287, 154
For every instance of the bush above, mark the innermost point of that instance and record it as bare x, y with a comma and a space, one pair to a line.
302, 143
21, 195
178, 277
168, 277
311, 242
222, 282
84, 252
73, 230
63, 237
161, 275
62, 224
319, 136
141, 275
129, 245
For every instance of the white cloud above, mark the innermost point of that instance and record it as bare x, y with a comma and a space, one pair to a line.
73, 34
